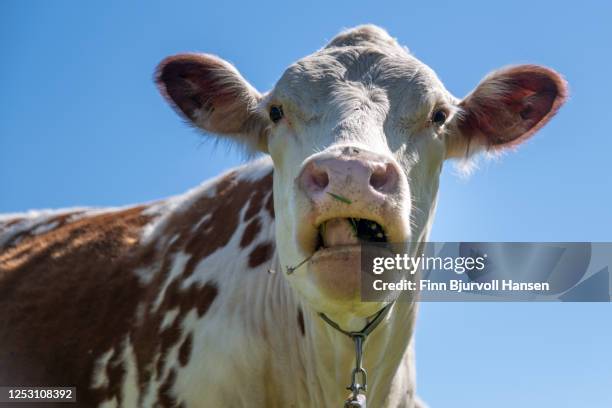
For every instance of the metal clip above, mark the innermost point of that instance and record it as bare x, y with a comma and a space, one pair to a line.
359, 376
355, 385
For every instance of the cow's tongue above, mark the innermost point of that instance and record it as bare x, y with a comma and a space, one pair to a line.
339, 231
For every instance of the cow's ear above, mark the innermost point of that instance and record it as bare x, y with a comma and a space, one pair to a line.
211, 94
505, 109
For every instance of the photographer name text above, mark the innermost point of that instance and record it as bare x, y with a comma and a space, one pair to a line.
458, 286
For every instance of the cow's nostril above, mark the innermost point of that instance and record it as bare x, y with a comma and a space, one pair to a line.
319, 177
383, 177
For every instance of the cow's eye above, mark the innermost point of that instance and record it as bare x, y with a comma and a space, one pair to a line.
276, 113
439, 117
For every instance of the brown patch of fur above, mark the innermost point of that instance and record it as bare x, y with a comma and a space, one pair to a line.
250, 232
270, 205
204, 297
300, 320
255, 204
185, 350
260, 254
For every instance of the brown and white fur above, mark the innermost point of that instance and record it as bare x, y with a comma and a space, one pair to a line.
173, 303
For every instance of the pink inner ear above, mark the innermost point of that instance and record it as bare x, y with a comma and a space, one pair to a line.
512, 105
195, 84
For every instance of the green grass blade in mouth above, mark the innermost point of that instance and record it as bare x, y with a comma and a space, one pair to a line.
353, 223
340, 198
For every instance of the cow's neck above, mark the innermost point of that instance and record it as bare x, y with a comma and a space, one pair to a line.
315, 365
277, 351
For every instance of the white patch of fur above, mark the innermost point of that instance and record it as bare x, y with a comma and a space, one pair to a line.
141, 310
205, 376
31, 219
197, 225
40, 214
169, 318
171, 360
99, 377
112, 403
145, 275
43, 228
130, 390
255, 170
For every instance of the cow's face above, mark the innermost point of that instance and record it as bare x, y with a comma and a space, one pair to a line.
358, 132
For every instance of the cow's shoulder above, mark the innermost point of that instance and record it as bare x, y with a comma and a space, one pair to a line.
229, 211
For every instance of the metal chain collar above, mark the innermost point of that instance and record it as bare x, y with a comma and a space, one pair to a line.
359, 381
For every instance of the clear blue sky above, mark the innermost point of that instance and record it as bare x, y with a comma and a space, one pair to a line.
82, 124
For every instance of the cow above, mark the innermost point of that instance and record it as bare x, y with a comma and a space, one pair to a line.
240, 292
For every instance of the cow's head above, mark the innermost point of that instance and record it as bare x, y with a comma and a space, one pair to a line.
358, 133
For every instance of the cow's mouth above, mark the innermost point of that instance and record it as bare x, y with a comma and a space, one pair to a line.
335, 265
341, 232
